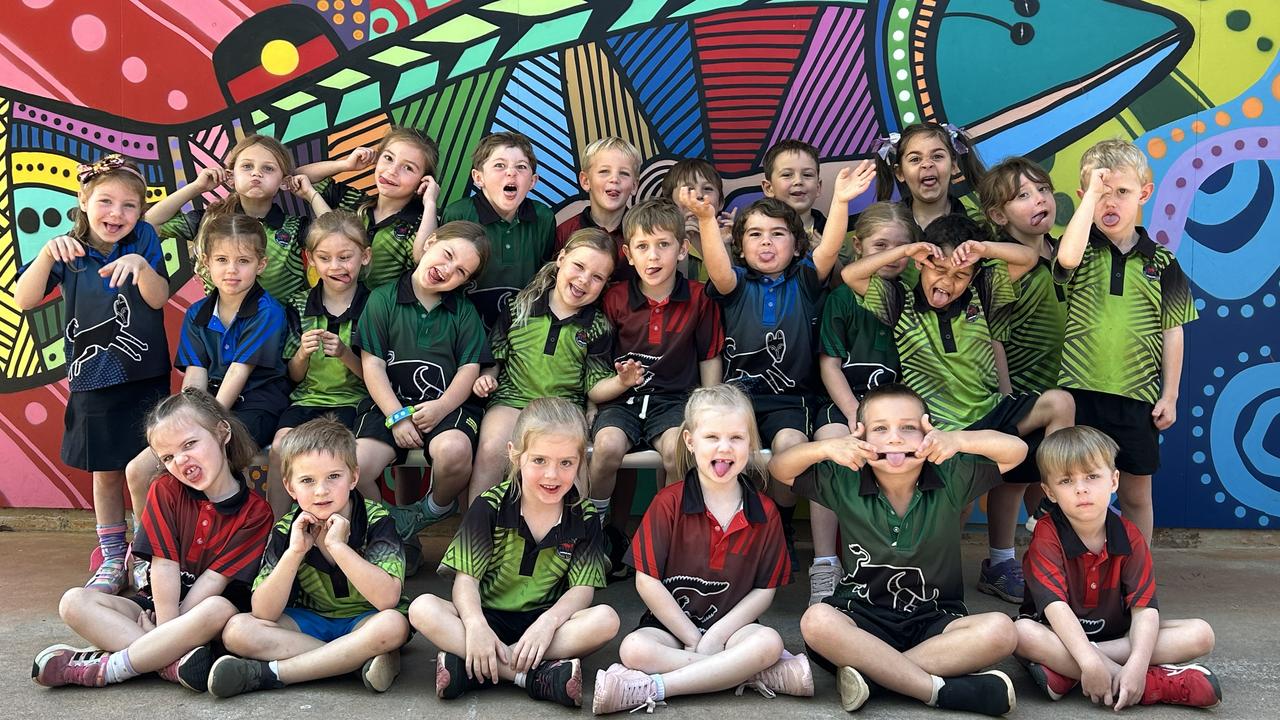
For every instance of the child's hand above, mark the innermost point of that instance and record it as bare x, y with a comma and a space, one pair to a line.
937, 445
926, 254
527, 653
359, 159
427, 415
210, 178
630, 372
124, 268
300, 185
853, 181
331, 343
851, 450
726, 219
689, 199
310, 342
968, 253
147, 620
406, 434
1099, 182
429, 189
1095, 682
710, 644
484, 385
302, 536
64, 249
484, 651
337, 530
1164, 413
1127, 686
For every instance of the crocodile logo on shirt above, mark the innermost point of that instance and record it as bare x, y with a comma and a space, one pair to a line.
905, 586
1092, 627
686, 588
645, 360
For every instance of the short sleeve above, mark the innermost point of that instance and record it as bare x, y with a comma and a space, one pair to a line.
372, 331
997, 290
183, 226
652, 541
340, 196
969, 477
261, 337
774, 567
470, 341
1044, 567
454, 211
192, 351
471, 550
277, 544
382, 544
740, 274
709, 336
599, 360
589, 564
157, 535
1137, 575
1177, 307
242, 551
293, 331
148, 246
885, 299
837, 318
819, 482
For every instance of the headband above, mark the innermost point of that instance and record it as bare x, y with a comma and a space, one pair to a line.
105, 164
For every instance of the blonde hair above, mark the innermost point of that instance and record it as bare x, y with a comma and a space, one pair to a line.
337, 222
204, 410
882, 214
322, 435
1075, 449
240, 229
610, 143
546, 416
230, 205
728, 398
545, 278
1114, 155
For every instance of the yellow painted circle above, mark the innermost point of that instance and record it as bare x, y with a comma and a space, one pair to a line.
279, 57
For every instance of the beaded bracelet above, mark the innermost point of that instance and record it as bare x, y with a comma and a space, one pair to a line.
400, 414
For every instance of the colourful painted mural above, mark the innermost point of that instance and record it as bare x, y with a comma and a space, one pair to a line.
172, 83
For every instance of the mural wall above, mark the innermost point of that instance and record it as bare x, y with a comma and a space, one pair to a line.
172, 83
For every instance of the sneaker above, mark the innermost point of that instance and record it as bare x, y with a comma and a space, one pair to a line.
380, 671
620, 688
1041, 510
1004, 580
989, 693
231, 676
1191, 684
789, 676
139, 573
853, 688
191, 671
451, 677
415, 517
822, 582
616, 547
110, 577
59, 665
412, 555
1056, 686
557, 680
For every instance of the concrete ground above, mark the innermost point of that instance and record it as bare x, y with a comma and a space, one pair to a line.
1235, 589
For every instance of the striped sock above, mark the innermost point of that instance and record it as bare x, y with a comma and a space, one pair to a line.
111, 539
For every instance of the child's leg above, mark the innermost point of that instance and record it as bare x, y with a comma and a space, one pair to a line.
1054, 409
438, 621
108, 622
301, 657
138, 474
1001, 573
751, 649
373, 456
491, 457
277, 496
450, 454
966, 645
1179, 641
825, 527
1134, 495
785, 439
170, 641
607, 450
668, 446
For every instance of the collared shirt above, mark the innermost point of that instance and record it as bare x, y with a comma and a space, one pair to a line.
516, 572
423, 349
669, 337
907, 562
322, 586
550, 356
770, 327
1101, 588
517, 249
183, 525
286, 238
112, 336
328, 382
1118, 307
863, 345
708, 568
946, 353
1032, 326
622, 269
390, 239
255, 337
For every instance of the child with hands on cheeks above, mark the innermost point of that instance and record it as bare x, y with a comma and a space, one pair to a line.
709, 556
202, 530
525, 564
328, 599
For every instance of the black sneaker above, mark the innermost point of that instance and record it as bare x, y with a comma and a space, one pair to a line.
231, 676
194, 667
557, 680
412, 556
451, 677
616, 548
989, 693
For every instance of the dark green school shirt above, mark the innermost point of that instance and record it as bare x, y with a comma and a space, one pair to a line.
863, 344
286, 237
328, 382
391, 239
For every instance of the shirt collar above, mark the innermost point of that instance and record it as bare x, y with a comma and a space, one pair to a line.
487, 215
1074, 547
406, 296
1144, 245
315, 304
410, 211
792, 268
542, 306
953, 308
692, 502
226, 506
639, 301
929, 479
275, 217
248, 306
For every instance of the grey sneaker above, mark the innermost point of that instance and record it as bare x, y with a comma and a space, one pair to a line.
380, 671
822, 582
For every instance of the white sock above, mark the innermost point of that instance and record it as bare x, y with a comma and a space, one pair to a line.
937, 687
831, 560
662, 688
520, 679
119, 668
602, 508
435, 509
275, 670
999, 555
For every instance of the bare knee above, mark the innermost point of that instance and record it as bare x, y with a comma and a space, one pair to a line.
1202, 637
74, 602
769, 645
636, 651
817, 623
603, 621
1060, 404
786, 439
215, 612
241, 633
998, 630
1030, 635
426, 610
451, 455
387, 630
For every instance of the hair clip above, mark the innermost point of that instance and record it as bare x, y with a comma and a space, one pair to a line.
106, 163
887, 147
959, 147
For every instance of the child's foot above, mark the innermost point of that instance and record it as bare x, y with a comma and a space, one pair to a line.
620, 688
59, 665
1191, 684
822, 582
853, 688
231, 676
191, 671
616, 546
412, 555
380, 671
1004, 580
989, 693
789, 676
415, 517
451, 677
1054, 684
1041, 510
110, 577
557, 680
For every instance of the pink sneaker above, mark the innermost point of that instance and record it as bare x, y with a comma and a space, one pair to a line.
59, 665
619, 688
790, 676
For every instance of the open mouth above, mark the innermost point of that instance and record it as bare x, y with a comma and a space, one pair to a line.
1039, 218
652, 271
928, 181
895, 459
112, 228
939, 297
721, 467
1110, 219
509, 190
768, 257
386, 181
576, 292
435, 276
341, 279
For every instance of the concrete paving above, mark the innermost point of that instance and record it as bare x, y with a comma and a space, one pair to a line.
1235, 589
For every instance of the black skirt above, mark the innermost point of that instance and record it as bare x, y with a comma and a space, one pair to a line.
104, 427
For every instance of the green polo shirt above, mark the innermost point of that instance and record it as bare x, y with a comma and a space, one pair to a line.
911, 562
423, 348
328, 382
549, 356
286, 237
391, 239
862, 343
516, 572
946, 353
1118, 307
1031, 329
517, 249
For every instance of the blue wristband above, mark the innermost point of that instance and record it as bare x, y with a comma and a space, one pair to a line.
399, 415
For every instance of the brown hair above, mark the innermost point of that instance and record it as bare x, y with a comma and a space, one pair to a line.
496, 141
128, 174
410, 136
1075, 449
230, 205
1001, 183
889, 390
964, 155
322, 435
208, 413
685, 173
471, 232
721, 397
545, 278
237, 228
653, 215
785, 146
774, 208
337, 222
880, 214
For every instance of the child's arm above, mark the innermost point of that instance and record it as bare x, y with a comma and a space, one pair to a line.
629, 374
850, 183
1144, 628
837, 385
1165, 411
747, 611
663, 605
153, 288
171, 204
166, 589
209, 584
428, 414
308, 343
484, 650
1003, 383
381, 589
430, 192
715, 258
272, 595
711, 372
359, 159
1018, 257
850, 451
528, 651
33, 283
857, 275
195, 377
1095, 677
375, 379
333, 346
486, 382
1006, 451
300, 185
233, 383
1076, 236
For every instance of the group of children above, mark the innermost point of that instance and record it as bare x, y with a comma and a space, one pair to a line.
893, 379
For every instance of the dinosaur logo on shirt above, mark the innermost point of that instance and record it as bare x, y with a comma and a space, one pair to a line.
744, 367
415, 380
1093, 627
108, 334
687, 588
905, 586
646, 360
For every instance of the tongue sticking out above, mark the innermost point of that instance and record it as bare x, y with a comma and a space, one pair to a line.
721, 467
895, 458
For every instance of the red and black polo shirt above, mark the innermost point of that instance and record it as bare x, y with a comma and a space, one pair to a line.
1101, 589
185, 526
622, 270
669, 337
706, 568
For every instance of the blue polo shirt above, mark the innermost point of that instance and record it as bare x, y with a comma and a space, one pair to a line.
256, 337
770, 328
112, 335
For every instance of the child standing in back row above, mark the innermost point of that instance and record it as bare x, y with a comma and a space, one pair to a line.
922, 162
792, 174
609, 167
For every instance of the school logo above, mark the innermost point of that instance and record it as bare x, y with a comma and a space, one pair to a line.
1093, 627
867, 375
107, 335
762, 366
283, 238
402, 231
580, 337
903, 586
692, 593
646, 360
565, 551
1150, 271
415, 380
972, 312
